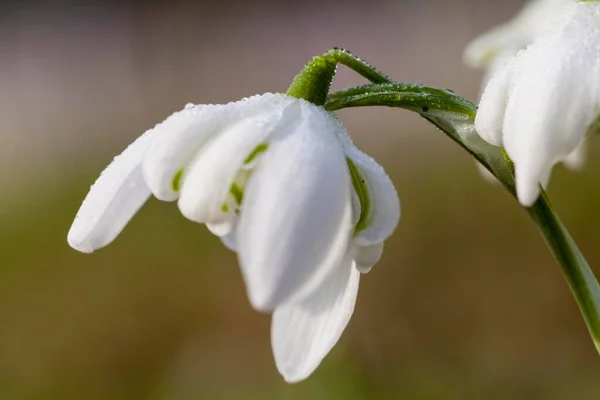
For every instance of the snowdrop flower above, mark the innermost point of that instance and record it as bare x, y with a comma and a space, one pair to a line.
492, 50
280, 182
541, 104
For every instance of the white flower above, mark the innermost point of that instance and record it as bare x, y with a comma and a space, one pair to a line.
493, 49
540, 105
278, 179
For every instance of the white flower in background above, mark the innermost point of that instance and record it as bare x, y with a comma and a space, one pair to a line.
542, 103
493, 49
278, 179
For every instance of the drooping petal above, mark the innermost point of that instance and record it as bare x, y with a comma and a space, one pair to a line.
183, 133
383, 208
490, 116
208, 179
555, 97
365, 257
577, 157
295, 222
113, 199
302, 334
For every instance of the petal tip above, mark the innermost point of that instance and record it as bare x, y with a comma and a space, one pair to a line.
80, 245
527, 191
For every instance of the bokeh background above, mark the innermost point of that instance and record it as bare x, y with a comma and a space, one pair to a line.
466, 303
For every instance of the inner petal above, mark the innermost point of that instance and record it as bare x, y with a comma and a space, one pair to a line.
180, 136
213, 184
379, 203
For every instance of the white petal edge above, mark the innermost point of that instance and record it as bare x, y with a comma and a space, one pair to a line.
365, 257
302, 334
384, 211
180, 136
576, 159
296, 218
113, 199
226, 232
490, 115
207, 180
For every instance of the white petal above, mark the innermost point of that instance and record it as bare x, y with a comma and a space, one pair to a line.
226, 231
302, 334
577, 157
384, 207
295, 221
554, 98
223, 228
113, 200
183, 133
365, 257
207, 181
490, 116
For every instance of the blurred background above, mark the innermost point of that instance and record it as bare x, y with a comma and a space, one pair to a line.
466, 303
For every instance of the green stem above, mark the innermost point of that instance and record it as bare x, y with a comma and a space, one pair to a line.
314, 81
575, 268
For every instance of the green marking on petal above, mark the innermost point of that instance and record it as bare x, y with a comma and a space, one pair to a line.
176, 184
224, 207
237, 192
261, 148
358, 182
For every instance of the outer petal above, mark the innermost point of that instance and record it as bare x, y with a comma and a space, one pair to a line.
365, 257
183, 133
554, 98
490, 116
207, 180
113, 200
302, 334
295, 221
577, 157
384, 209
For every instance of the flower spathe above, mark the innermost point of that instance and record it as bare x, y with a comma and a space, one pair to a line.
280, 182
542, 103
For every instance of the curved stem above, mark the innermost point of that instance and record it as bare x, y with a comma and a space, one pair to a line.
446, 110
313, 82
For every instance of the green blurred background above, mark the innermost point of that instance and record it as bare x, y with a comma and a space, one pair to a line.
466, 303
